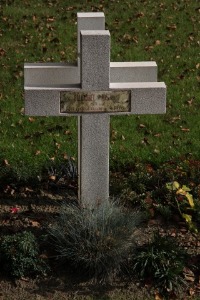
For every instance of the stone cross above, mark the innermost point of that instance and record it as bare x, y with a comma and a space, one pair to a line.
93, 89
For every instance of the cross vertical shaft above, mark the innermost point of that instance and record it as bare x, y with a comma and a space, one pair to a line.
94, 128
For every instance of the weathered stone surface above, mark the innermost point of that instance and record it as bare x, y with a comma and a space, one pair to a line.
94, 158
95, 60
133, 71
50, 74
94, 130
89, 21
65, 74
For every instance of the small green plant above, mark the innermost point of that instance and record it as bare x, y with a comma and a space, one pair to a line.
160, 261
19, 255
96, 240
183, 201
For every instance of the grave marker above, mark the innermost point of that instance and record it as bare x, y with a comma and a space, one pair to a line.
93, 89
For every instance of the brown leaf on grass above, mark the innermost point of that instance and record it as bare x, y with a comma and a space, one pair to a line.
70, 8
135, 39
140, 15
145, 141
158, 135
65, 156
157, 42
189, 102
113, 135
67, 132
6, 163
188, 274
50, 19
57, 145
34, 18
172, 27
127, 37
149, 48
157, 151
2, 52
185, 129
191, 38
31, 119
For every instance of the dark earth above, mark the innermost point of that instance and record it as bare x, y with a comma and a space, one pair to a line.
27, 208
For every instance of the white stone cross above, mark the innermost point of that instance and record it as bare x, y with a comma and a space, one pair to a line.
93, 89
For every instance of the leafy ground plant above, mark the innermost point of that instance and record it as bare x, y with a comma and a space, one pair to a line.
19, 255
161, 261
183, 201
95, 239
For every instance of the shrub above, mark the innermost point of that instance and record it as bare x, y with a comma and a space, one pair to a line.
161, 261
19, 255
94, 239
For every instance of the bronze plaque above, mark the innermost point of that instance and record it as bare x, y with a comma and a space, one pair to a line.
95, 101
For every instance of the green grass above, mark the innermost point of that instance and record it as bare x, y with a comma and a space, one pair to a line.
36, 30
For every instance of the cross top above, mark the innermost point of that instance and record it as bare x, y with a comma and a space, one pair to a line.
93, 89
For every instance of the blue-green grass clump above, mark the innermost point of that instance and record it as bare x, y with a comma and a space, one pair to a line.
95, 239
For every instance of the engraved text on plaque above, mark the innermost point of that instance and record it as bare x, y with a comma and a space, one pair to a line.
94, 101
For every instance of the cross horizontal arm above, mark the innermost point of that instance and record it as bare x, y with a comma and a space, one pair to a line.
58, 74
146, 98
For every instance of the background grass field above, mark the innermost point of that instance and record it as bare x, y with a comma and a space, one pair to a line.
45, 30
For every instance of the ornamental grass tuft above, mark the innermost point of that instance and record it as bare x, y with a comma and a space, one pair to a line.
95, 240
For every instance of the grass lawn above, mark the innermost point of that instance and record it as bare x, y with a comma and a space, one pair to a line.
41, 31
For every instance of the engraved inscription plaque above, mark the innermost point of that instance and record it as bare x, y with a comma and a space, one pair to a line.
95, 101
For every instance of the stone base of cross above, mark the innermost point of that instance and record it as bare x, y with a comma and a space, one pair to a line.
93, 89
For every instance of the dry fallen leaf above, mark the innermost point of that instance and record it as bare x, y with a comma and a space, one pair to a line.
185, 129
53, 177
35, 223
6, 163
67, 132
191, 292
31, 119
2, 52
157, 134
188, 274
158, 42
171, 27
140, 15
158, 296
65, 156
